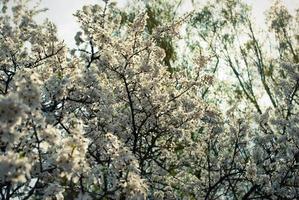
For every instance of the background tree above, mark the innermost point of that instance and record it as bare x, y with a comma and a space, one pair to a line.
265, 160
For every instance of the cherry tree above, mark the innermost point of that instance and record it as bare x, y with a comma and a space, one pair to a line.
263, 162
107, 120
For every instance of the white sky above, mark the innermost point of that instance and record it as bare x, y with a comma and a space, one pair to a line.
60, 12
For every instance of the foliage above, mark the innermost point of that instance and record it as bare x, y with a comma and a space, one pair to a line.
113, 119
265, 159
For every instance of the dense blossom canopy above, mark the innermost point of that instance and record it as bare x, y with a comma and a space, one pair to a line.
128, 115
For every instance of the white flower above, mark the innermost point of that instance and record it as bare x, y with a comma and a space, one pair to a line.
251, 171
11, 110
53, 190
135, 188
14, 167
28, 88
83, 196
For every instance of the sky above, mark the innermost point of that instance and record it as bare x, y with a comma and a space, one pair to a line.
61, 13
